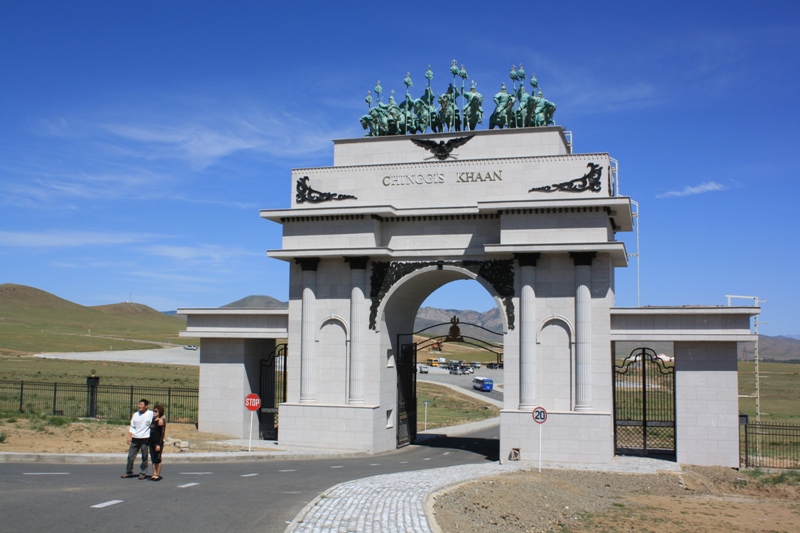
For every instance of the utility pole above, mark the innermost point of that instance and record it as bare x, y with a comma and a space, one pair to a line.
635, 216
756, 303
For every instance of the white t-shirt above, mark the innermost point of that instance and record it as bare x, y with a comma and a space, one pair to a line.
140, 424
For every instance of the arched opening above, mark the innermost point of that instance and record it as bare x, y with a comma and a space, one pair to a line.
397, 318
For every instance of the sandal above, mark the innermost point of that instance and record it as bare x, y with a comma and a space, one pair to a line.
156, 478
142, 476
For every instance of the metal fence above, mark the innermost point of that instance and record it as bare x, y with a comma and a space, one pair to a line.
768, 445
112, 402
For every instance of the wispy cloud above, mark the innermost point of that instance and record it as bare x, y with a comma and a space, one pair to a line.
201, 142
689, 190
69, 239
208, 253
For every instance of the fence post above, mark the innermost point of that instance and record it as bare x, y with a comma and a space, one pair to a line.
169, 403
746, 447
130, 410
55, 389
91, 384
21, 389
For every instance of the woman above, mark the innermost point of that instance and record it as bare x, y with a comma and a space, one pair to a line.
156, 443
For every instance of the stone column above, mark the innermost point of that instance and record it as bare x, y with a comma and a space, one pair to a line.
358, 326
527, 331
583, 329
308, 328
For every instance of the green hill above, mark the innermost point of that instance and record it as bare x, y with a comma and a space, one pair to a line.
33, 321
259, 302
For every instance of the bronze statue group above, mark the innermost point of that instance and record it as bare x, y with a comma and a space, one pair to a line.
515, 109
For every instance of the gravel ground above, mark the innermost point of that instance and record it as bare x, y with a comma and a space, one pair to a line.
699, 499
550, 501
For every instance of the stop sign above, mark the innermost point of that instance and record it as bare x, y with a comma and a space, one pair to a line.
252, 402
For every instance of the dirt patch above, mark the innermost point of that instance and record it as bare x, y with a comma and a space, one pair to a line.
54, 435
697, 500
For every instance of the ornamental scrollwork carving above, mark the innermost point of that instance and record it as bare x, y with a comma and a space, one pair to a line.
588, 182
306, 194
499, 273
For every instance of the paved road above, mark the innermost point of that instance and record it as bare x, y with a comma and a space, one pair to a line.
437, 375
161, 356
211, 497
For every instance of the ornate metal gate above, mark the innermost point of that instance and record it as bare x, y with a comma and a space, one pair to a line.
644, 405
272, 391
407, 365
406, 394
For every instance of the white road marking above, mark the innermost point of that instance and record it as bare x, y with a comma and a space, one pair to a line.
106, 504
45, 474
427, 459
187, 485
375, 464
446, 453
403, 462
337, 467
248, 475
287, 470
195, 473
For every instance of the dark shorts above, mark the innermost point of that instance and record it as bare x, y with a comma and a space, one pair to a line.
155, 456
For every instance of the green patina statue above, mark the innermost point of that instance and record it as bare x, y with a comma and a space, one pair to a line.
514, 109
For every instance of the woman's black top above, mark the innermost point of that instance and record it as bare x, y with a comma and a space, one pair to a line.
157, 433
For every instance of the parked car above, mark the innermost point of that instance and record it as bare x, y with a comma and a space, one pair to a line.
423, 369
468, 369
190, 347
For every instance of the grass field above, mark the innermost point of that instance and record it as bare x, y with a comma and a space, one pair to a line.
28, 368
446, 407
780, 391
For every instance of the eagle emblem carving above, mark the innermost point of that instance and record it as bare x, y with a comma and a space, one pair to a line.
441, 150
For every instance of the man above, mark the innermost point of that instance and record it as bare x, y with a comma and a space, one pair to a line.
138, 435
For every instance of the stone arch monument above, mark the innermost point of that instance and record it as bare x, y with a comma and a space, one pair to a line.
370, 237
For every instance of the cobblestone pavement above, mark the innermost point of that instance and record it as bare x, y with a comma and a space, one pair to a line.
395, 503
387, 503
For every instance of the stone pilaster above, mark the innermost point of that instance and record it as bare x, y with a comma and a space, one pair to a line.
308, 328
583, 330
527, 332
358, 328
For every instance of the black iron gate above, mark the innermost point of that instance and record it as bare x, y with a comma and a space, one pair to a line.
644, 405
406, 394
272, 391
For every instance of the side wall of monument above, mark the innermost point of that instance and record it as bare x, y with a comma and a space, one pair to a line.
229, 371
707, 403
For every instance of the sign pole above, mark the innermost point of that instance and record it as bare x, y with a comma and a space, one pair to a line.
540, 447
252, 402
250, 446
539, 415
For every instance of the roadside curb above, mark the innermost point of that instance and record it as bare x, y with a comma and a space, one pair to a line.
120, 458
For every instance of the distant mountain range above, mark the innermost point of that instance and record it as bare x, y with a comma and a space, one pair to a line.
26, 310
32, 320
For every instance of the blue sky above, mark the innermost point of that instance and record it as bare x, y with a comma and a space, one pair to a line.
140, 139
